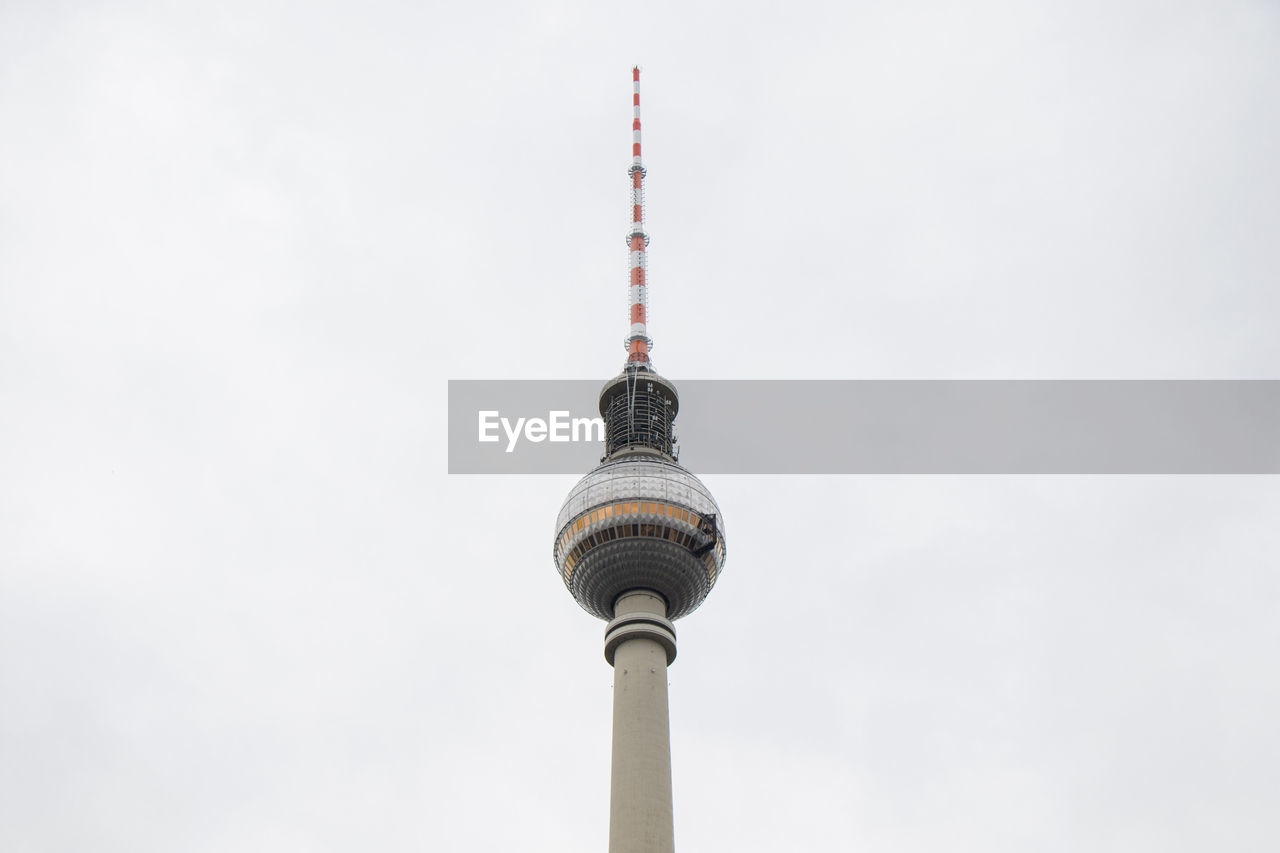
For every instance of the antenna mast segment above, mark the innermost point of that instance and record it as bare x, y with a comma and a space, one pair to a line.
637, 342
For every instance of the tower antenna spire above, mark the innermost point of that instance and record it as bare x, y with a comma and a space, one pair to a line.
637, 342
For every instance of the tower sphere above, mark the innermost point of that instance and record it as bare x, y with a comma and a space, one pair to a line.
639, 521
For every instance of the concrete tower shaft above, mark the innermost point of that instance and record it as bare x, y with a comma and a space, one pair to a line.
640, 643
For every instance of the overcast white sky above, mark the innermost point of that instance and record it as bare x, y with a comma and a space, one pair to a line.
243, 245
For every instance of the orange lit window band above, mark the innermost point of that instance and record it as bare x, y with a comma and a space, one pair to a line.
617, 530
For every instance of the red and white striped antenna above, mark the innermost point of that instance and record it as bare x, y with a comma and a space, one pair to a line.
638, 342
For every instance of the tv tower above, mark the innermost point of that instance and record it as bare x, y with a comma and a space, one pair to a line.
639, 543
